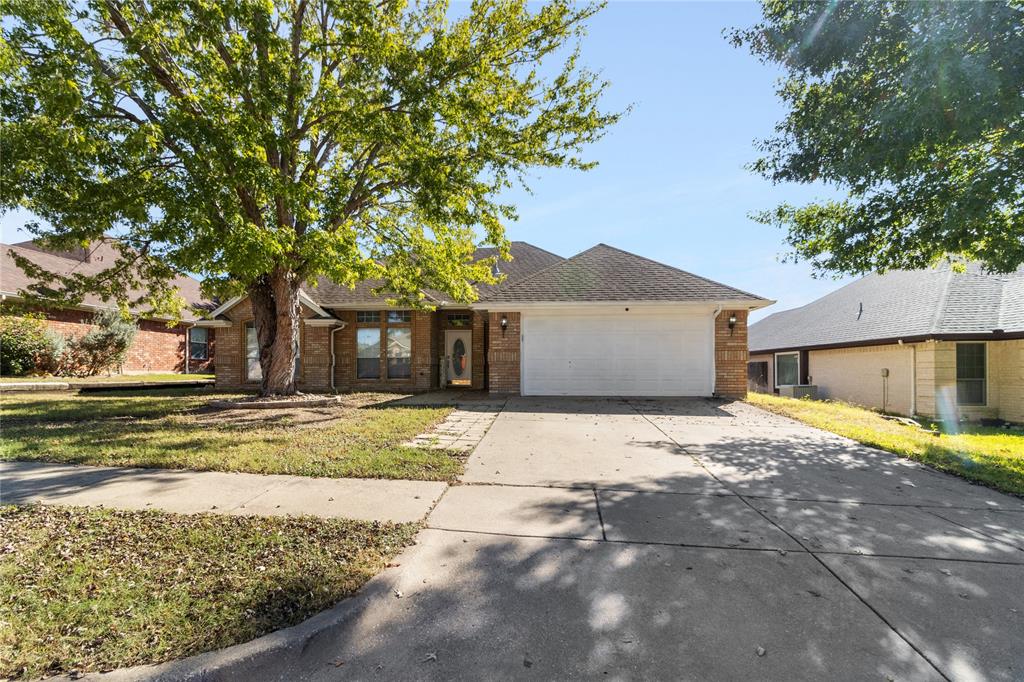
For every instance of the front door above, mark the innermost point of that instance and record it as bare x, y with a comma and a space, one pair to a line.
458, 351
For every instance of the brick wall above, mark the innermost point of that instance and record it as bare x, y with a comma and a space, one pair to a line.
314, 349
156, 348
503, 353
731, 355
424, 356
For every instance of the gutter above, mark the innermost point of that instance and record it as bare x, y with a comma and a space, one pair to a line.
959, 336
514, 306
188, 343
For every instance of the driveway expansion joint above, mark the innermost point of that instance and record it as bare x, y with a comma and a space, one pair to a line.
835, 575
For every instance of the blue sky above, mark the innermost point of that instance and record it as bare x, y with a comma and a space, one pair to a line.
671, 183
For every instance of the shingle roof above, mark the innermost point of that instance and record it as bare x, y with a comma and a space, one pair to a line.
900, 304
98, 257
526, 260
604, 273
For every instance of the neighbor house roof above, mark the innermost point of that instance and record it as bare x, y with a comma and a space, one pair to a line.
93, 260
526, 260
901, 304
606, 274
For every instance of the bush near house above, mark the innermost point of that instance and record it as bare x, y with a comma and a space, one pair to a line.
26, 345
101, 348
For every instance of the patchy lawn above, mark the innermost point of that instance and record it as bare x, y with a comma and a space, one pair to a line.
116, 378
91, 589
173, 429
987, 455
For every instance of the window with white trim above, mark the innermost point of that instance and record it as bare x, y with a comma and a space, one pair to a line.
253, 369
787, 369
199, 343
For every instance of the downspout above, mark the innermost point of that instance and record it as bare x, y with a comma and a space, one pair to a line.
913, 379
714, 331
331, 336
188, 343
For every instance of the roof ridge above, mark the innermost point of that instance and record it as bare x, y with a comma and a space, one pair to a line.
940, 305
672, 267
505, 287
538, 248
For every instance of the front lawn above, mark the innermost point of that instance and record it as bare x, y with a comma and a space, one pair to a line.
987, 455
112, 379
173, 428
90, 589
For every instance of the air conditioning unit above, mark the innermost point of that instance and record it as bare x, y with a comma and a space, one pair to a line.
799, 391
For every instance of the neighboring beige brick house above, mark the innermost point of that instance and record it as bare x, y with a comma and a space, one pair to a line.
936, 343
604, 322
157, 347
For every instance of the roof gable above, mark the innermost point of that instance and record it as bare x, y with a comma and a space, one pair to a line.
606, 274
900, 304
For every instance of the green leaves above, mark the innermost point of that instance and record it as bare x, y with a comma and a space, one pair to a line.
917, 111
328, 137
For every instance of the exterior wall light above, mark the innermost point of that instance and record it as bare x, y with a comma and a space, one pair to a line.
504, 322
732, 323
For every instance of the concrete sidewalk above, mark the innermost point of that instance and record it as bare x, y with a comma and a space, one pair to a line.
190, 492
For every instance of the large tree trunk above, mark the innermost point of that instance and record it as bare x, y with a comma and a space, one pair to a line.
275, 307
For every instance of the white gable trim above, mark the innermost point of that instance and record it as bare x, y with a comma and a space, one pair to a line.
303, 298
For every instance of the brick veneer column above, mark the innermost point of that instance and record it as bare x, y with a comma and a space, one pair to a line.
477, 351
731, 355
503, 353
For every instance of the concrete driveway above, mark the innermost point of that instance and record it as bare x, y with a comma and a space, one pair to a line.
689, 539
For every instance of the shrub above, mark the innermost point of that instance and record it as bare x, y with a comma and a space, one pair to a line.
101, 348
26, 345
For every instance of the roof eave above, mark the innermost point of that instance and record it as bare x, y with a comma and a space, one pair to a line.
751, 304
888, 341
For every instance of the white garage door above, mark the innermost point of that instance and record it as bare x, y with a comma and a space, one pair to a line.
617, 353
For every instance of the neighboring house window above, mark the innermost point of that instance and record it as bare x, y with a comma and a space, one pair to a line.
198, 343
368, 353
757, 374
970, 374
787, 369
253, 370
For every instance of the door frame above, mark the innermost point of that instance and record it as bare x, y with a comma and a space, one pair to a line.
467, 334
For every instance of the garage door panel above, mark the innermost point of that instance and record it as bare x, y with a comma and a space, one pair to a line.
617, 354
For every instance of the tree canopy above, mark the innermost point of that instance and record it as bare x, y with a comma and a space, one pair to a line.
916, 111
264, 143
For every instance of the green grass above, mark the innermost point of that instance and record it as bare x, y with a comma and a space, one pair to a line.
116, 378
987, 455
170, 428
88, 589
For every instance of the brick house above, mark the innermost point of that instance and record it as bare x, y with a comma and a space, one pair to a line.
604, 322
157, 346
936, 343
